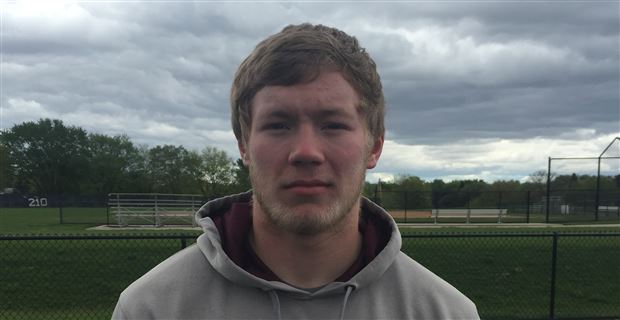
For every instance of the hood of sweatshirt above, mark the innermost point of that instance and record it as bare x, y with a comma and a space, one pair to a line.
210, 244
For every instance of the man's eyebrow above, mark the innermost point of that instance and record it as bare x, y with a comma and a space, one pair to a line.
326, 113
277, 114
320, 114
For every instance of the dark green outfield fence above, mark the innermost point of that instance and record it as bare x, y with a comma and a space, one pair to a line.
509, 276
561, 206
407, 206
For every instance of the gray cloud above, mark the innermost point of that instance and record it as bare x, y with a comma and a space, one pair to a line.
452, 71
503, 70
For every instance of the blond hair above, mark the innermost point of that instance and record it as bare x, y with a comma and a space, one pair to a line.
298, 54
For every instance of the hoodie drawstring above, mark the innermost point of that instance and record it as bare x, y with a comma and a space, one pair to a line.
346, 299
275, 302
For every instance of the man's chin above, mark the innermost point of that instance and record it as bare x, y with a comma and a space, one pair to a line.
306, 226
308, 219
309, 210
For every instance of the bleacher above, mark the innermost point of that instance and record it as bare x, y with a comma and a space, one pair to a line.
154, 209
469, 213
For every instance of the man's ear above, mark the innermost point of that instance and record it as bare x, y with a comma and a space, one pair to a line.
375, 152
243, 152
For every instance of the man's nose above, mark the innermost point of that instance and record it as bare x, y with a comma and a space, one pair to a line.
307, 147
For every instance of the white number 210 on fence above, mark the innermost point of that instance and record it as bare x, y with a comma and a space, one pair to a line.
37, 202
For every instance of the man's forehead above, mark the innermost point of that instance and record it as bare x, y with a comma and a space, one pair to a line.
328, 94
324, 80
313, 111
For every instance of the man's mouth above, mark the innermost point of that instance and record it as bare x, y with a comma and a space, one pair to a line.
307, 183
308, 187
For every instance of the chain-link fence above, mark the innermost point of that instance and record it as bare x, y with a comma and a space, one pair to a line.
528, 276
70, 209
565, 206
103, 210
508, 276
75, 277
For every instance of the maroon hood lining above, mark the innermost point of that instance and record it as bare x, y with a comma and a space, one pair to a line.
235, 224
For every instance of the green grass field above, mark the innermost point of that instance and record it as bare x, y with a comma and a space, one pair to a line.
46, 221
508, 277
76, 279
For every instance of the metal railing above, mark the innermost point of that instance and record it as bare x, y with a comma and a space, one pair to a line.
155, 209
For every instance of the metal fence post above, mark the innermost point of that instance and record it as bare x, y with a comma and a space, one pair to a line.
554, 256
436, 206
156, 221
548, 191
193, 211
468, 207
60, 213
527, 210
499, 207
405, 206
597, 199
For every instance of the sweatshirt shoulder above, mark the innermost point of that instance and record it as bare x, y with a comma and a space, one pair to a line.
179, 267
171, 280
432, 294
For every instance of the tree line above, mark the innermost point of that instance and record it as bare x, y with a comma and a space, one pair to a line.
573, 189
47, 157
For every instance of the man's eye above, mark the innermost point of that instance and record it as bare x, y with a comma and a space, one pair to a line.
276, 126
335, 126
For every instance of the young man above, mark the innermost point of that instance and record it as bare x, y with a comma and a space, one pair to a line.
307, 111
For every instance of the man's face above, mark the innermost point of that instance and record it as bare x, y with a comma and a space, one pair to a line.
307, 152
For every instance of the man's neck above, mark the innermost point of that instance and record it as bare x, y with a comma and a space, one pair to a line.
307, 261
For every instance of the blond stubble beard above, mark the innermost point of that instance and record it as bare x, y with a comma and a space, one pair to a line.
284, 218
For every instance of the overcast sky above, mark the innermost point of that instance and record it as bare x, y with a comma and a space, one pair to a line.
483, 90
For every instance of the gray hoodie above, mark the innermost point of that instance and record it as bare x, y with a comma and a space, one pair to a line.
202, 282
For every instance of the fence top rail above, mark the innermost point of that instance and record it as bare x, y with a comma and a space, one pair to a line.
422, 235
514, 235
99, 237
152, 204
448, 192
130, 213
144, 202
157, 194
152, 208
